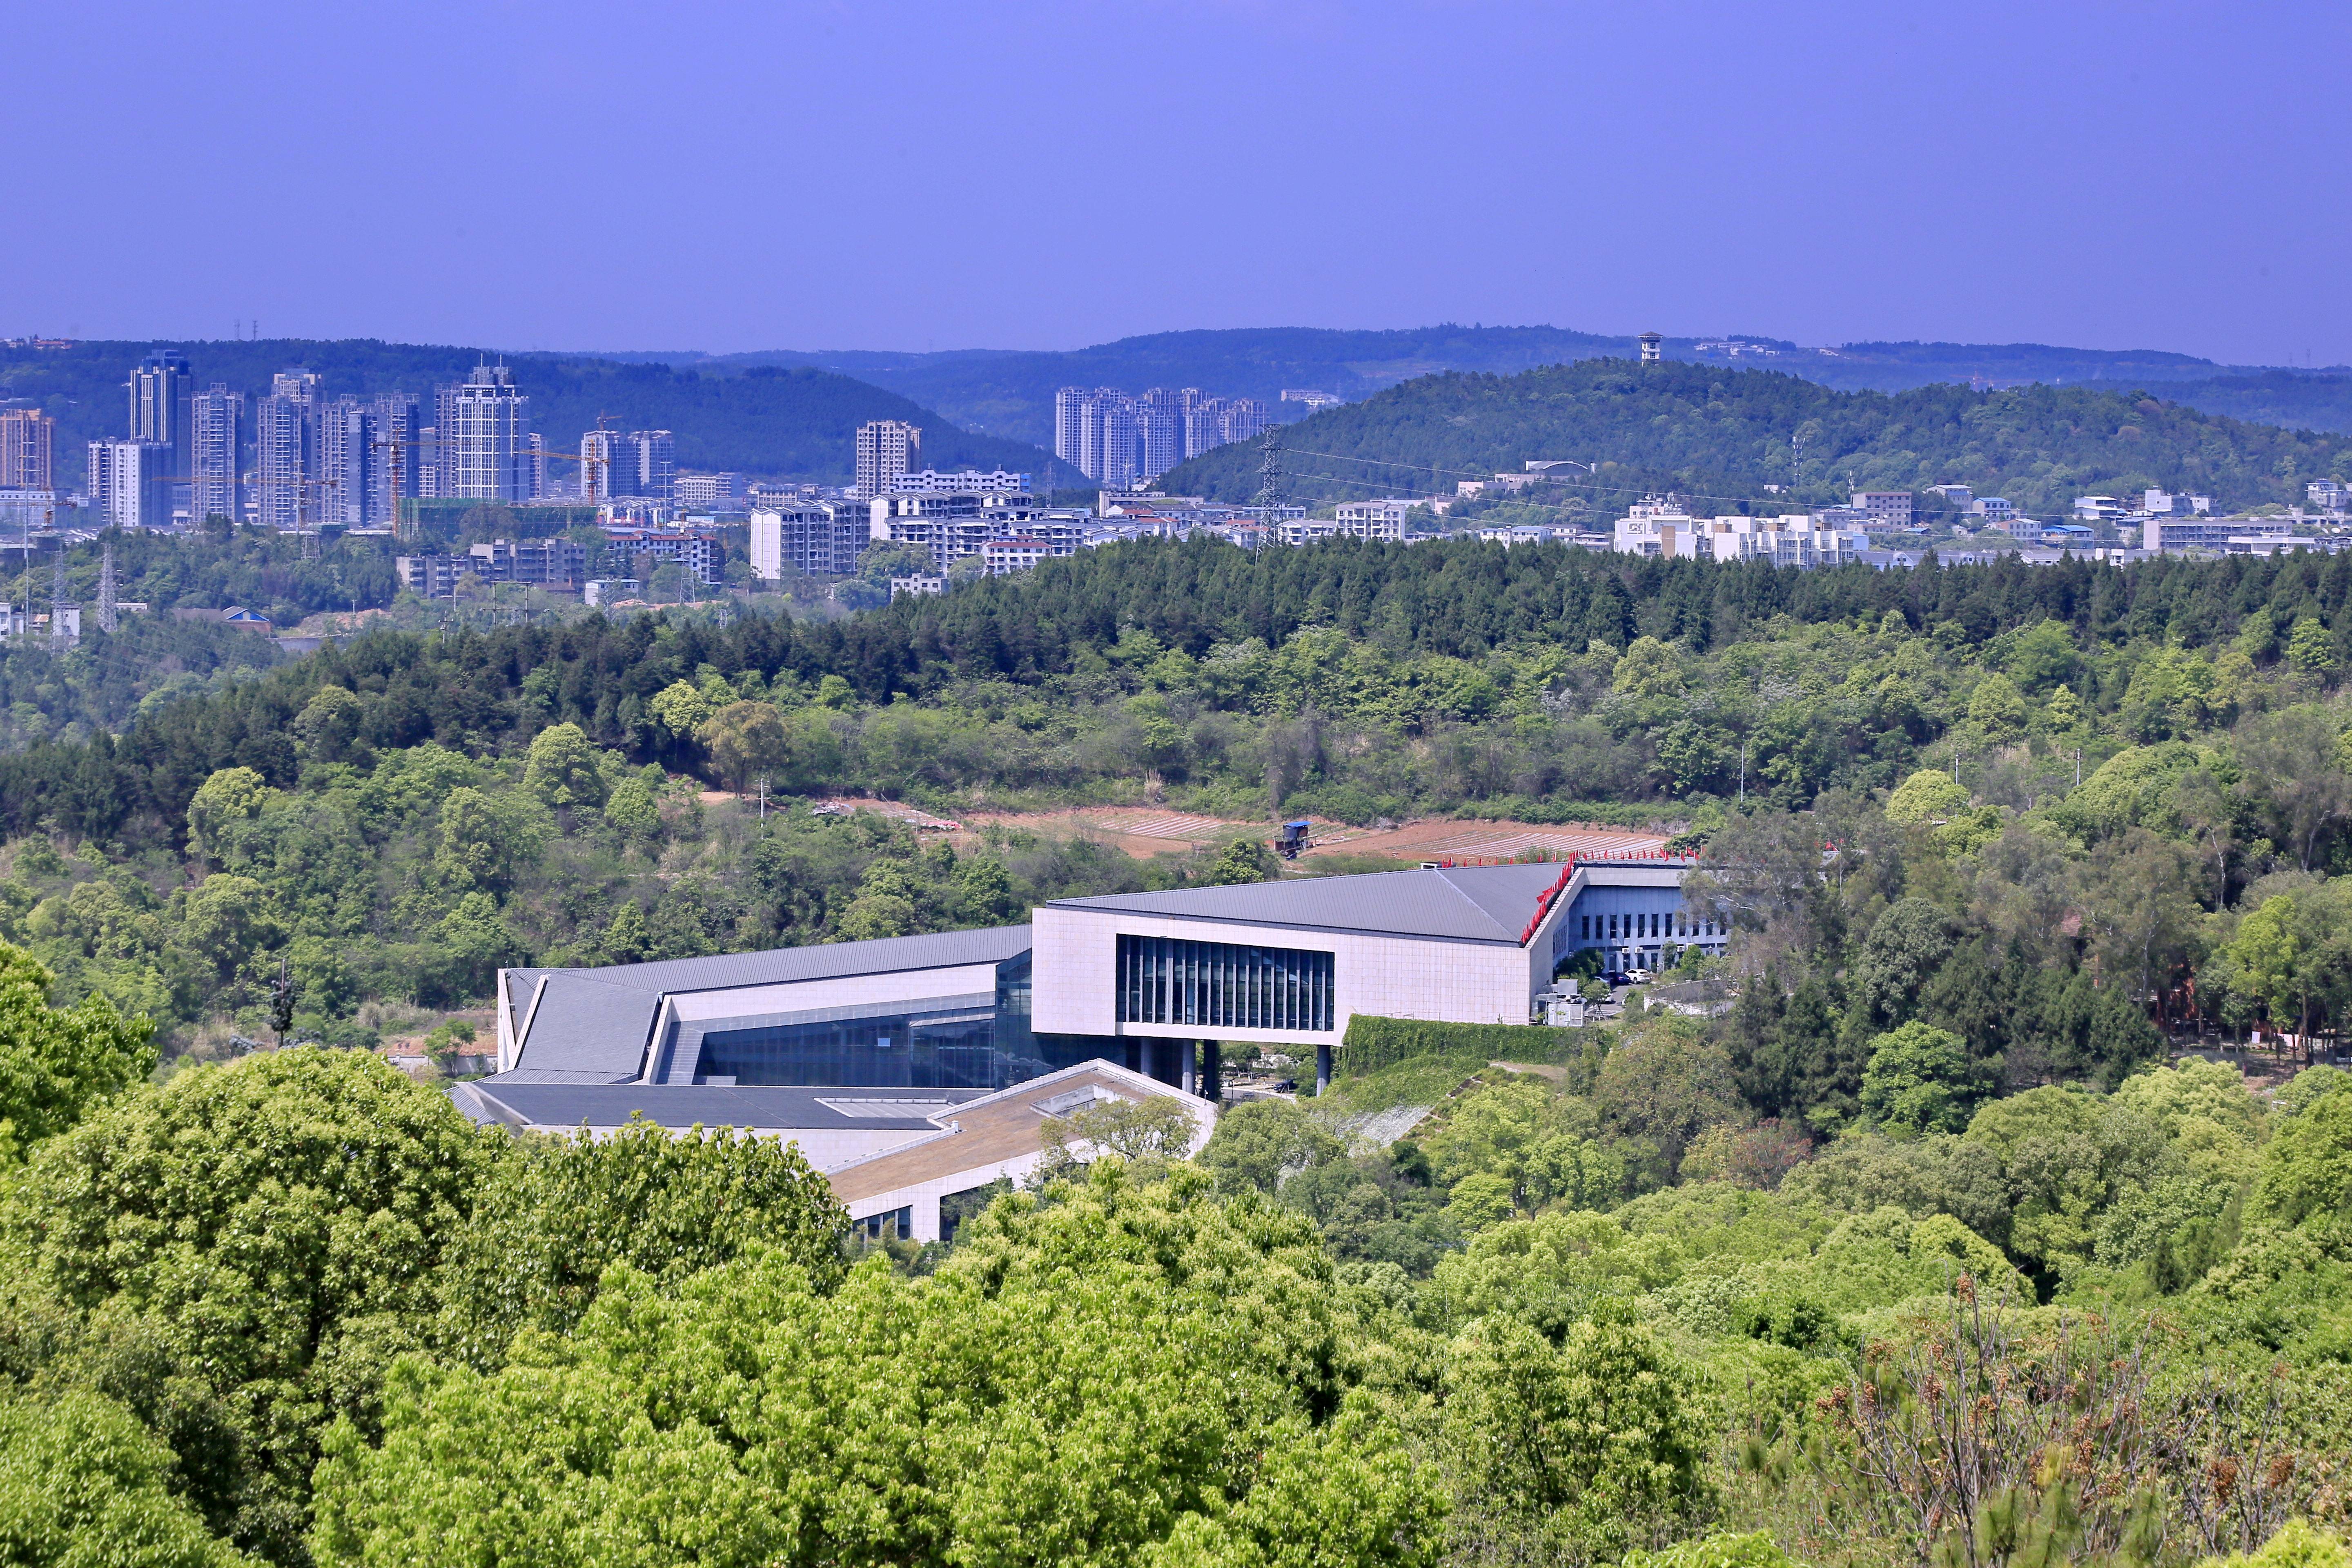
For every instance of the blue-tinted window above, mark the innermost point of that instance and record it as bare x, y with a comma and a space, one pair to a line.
1223, 985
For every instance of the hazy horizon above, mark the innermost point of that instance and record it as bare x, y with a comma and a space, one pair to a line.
738, 178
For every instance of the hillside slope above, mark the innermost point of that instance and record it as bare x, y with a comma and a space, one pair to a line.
1728, 433
1009, 393
767, 421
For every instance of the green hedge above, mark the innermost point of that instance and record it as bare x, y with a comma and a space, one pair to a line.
1372, 1043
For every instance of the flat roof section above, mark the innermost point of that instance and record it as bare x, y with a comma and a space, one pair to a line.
1462, 903
677, 1106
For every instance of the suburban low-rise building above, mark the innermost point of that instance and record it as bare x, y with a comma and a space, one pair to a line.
1375, 518
2229, 535
1795, 540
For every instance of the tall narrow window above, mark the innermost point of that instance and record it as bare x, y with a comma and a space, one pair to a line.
1216, 984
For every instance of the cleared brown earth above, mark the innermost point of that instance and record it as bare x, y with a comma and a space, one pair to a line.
1144, 831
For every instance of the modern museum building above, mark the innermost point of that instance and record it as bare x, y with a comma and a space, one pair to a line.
1139, 980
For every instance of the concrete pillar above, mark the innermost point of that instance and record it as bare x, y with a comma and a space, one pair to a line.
1212, 1071
1322, 1068
1187, 1079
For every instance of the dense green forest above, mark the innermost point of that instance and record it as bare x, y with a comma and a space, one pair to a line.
793, 423
1930, 1246
1726, 434
1009, 391
294, 1309
2089, 723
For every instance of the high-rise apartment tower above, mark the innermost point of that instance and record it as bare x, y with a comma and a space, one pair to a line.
886, 448
28, 450
486, 445
285, 451
214, 446
158, 400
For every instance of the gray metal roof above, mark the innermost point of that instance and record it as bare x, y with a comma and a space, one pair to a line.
596, 1028
1466, 903
679, 1105
782, 965
592, 1026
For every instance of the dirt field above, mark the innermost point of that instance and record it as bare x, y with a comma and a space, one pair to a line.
1449, 838
1145, 831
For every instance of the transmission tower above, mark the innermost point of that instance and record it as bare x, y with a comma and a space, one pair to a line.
1269, 475
106, 620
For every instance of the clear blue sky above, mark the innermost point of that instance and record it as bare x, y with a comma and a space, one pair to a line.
912, 174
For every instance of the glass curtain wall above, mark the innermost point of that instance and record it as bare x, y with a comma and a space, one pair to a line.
1225, 985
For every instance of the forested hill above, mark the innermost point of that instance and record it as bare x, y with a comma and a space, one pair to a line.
1031, 682
1009, 391
769, 421
1725, 432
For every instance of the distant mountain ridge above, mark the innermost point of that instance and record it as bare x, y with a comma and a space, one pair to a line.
1009, 391
796, 422
1715, 431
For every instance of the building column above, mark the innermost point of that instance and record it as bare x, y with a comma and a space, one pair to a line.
1322, 1069
1212, 1071
1187, 1073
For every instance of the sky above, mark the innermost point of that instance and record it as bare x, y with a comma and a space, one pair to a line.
917, 174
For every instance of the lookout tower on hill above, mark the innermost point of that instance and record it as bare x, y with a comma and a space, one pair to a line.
1650, 355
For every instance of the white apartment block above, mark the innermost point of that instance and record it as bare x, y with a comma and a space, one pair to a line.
1797, 540
886, 449
2230, 535
1002, 557
820, 538
130, 484
1375, 518
965, 481
215, 444
722, 491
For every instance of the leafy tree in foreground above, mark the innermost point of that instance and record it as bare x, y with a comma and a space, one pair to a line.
1570, 1453
1063, 1391
81, 1486
566, 1209
56, 1065
238, 1255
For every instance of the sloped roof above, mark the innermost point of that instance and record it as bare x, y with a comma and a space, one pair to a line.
1464, 903
783, 966
592, 1026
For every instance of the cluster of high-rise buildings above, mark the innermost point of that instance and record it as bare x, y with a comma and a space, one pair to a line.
1121, 440
295, 458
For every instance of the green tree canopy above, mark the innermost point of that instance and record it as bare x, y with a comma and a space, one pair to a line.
57, 1065
82, 1485
564, 1210
1920, 1079
1062, 1391
239, 1253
